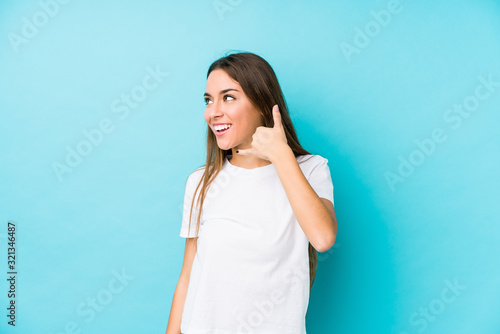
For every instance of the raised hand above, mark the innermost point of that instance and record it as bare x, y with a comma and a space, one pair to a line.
268, 142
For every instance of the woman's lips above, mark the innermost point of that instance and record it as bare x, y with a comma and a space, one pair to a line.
220, 133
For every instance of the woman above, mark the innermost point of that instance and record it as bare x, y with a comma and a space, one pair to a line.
267, 207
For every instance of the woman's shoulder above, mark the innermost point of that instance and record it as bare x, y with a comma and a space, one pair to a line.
196, 175
314, 166
311, 159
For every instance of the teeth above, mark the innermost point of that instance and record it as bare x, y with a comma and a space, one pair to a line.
222, 127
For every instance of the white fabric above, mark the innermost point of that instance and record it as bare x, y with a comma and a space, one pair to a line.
251, 270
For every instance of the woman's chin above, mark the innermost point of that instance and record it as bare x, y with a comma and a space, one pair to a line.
224, 148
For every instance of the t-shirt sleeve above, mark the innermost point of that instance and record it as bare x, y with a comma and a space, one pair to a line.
191, 184
320, 178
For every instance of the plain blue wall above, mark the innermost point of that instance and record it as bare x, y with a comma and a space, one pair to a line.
361, 93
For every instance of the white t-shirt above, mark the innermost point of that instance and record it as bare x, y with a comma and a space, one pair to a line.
251, 270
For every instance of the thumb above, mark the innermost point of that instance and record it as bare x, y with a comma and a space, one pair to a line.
277, 117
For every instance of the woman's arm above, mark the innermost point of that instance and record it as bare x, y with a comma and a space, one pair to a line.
174, 320
315, 215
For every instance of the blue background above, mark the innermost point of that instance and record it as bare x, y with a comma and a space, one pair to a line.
398, 247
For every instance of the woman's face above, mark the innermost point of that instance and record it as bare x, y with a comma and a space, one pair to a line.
227, 104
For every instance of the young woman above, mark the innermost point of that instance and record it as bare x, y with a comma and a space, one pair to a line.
254, 215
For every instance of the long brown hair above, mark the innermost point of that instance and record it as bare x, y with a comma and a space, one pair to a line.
260, 84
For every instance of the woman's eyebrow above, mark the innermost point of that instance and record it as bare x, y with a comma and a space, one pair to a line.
222, 91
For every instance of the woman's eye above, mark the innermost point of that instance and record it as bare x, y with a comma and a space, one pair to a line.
207, 100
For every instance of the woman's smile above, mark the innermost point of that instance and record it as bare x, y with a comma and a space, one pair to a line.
222, 129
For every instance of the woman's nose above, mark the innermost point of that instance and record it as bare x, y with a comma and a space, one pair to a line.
216, 110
